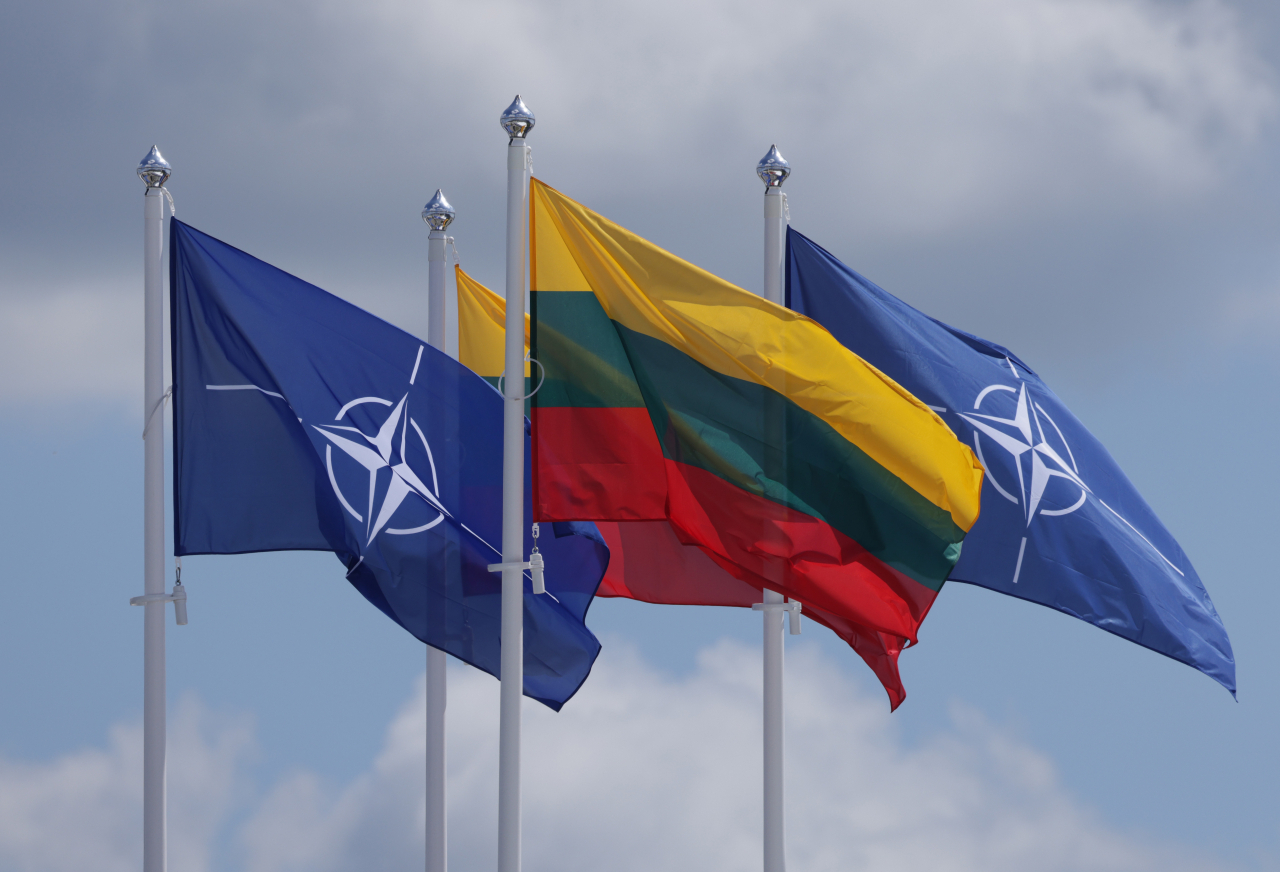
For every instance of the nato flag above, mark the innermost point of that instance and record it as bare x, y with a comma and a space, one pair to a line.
305, 423
1061, 525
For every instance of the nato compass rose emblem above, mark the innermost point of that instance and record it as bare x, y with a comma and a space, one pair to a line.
384, 450
1037, 461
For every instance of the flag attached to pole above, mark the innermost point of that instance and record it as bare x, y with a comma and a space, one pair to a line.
1061, 525
647, 561
672, 395
305, 423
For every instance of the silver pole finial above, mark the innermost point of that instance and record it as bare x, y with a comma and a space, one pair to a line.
154, 169
517, 120
438, 213
773, 169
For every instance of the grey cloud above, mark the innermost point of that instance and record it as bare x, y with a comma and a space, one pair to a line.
1056, 175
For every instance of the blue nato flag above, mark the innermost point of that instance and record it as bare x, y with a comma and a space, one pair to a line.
303, 423
1060, 524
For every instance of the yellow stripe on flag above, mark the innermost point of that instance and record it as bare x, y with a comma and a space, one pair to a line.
482, 327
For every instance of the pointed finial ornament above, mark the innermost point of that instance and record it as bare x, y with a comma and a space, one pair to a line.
438, 213
773, 169
517, 120
154, 169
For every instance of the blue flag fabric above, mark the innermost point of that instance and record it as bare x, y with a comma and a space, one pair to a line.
1060, 524
305, 423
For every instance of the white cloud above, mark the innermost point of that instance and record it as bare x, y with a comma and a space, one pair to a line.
641, 771
84, 810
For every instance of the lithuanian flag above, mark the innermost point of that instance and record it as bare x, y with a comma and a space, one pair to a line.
647, 561
750, 486
740, 427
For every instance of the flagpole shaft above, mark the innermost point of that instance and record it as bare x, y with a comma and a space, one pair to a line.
437, 690
774, 244
774, 810
153, 688
436, 262
774, 832
512, 665
437, 831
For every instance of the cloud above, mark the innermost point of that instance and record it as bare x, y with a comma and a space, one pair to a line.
641, 771
933, 115
84, 810
978, 156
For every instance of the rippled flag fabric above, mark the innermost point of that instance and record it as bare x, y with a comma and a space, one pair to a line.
743, 429
647, 560
1061, 524
304, 423
482, 332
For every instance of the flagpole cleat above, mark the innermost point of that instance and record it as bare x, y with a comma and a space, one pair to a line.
791, 607
178, 598
535, 572
534, 566
154, 170
517, 120
773, 169
438, 213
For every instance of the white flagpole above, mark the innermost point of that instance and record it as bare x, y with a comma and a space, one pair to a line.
438, 215
154, 171
517, 120
774, 170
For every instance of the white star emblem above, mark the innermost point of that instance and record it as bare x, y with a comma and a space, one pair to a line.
383, 450
385, 453
1028, 446
1023, 436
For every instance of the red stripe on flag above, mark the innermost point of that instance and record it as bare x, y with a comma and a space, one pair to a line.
809, 559
720, 544
591, 463
649, 563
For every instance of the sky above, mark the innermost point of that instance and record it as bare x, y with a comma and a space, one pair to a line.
1091, 183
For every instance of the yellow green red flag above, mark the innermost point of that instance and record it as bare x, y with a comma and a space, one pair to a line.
742, 428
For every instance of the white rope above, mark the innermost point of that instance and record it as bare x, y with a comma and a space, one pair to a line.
159, 403
527, 359
172, 209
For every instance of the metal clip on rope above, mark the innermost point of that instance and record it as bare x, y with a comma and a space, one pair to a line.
535, 562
